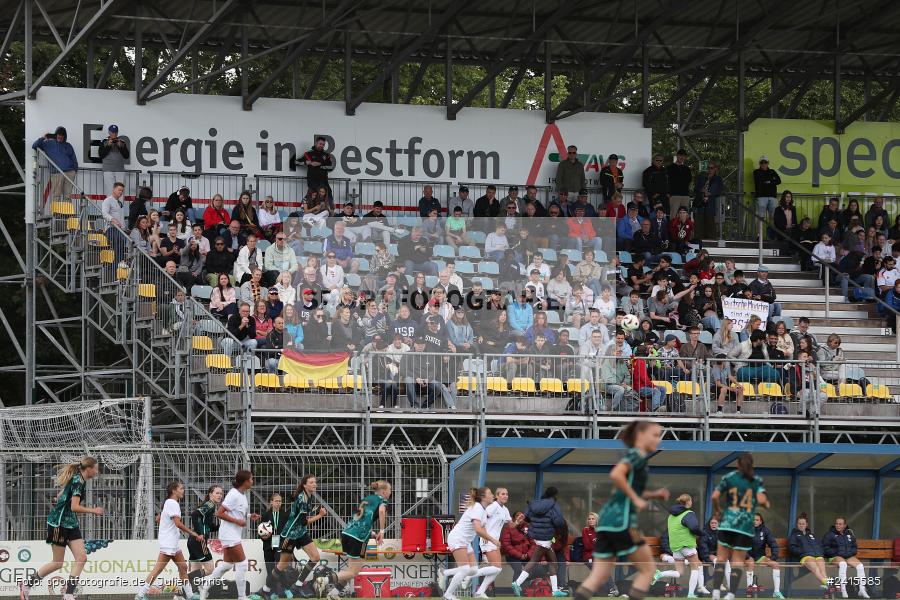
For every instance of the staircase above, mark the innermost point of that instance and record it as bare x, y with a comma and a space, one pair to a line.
864, 334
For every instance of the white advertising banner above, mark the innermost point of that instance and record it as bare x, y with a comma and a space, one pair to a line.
119, 567
212, 134
739, 310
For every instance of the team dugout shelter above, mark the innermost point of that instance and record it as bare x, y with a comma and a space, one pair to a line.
860, 482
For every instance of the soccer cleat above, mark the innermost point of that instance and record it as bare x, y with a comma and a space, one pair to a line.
778, 595
68, 597
204, 591
863, 593
656, 577
693, 596
703, 591
334, 593
844, 593
517, 589
449, 597
613, 593
716, 594
559, 594
729, 596
195, 596
139, 596
482, 595
24, 591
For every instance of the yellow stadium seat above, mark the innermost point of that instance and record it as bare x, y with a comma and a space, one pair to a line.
879, 391
295, 383
234, 380
688, 388
266, 381
770, 389
64, 209
219, 362
330, 383
497, 384
72, 224
108, 257
353, 381
830, 391
466, 384
749, 392
578, 386
97, 239
850, 390
667, 386
551, 385
147, 290
122, 272
523, 384
202, 343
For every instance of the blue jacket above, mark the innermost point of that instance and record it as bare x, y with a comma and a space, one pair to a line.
62, 154
762, 538
707, 543
544, 518
521, 316
623, 228
839, 544
892, 300
664, 547
804, 543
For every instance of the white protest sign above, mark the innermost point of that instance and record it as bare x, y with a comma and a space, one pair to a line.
739, 310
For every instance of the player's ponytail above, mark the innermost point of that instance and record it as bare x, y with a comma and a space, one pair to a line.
745, 466
472, 497
65, 473
301, 486
629, 433
170, 489
241, 477
379, 486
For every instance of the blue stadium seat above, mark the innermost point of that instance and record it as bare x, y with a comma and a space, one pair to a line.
440, 264
478, 237
574, 255
430, 281
486, 282
676, 258
392, 249
363, 263
489, 267
466, 267
600, 257
706, 337
320, 232
470, 252
444, 251
677, 333
788, 321
312, 247
549, 254
553, 317
201, 292
624, 257
353, 280
364, 249
263, 245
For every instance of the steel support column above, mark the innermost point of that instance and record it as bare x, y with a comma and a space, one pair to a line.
245, 75
448, 76
348, 73
740, 121
138, 51
548, 83
645, 81
837, 91
29, 44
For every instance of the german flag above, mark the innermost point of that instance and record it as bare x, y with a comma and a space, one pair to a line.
314, 366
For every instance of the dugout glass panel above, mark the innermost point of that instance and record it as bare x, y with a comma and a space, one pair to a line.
464, 479
825, 498
778, 490
890, 509
519, 483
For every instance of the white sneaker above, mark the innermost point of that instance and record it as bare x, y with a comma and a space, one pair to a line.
334, 593
863, 593
715, 594
729, 596
204, 590
482, 595
844, 593
703, 590
442, 580
449, 597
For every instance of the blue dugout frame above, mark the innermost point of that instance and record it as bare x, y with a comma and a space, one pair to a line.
814, 455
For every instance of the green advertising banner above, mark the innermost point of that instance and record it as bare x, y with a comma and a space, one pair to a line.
811, 158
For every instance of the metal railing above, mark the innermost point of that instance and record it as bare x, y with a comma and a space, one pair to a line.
400, 196
203, 187
290, 191
476, 190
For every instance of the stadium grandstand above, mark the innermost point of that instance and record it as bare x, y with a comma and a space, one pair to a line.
367, 240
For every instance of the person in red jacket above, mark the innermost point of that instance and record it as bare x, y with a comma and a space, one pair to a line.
588, 539
615, 209
681, 231
515, 544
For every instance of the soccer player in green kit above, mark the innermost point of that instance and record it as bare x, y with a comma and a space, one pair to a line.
356, 534
742, 490
62, 525
295, 534
617, 532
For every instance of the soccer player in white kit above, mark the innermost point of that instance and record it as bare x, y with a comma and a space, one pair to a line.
169, 536
497, 517
233, 514
459, 542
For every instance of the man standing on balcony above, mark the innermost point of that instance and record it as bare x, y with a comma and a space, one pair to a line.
113, 213
318, 164
766, 182
113, 154
570, 172
680, 179
64, 163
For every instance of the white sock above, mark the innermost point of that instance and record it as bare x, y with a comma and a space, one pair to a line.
692, 582
554, 583
522, 577
188, 589
728, 575
145, 587
700, 583
461, 573
217, 573
670, 574
749, 578
861, 574
488, 575
842, 575
776, 580
240, 577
